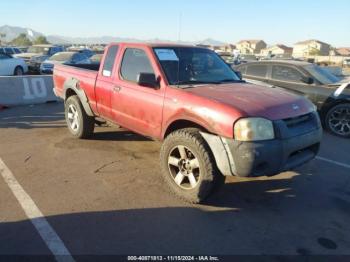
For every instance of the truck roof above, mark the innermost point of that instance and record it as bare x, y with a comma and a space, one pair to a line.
289, 62
154, 44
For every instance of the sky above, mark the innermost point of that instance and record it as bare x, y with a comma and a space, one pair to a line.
275, 21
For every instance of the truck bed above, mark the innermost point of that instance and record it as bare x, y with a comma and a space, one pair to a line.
87, 75
92, 67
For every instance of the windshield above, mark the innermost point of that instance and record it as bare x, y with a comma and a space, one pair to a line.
322, 75
62, 57
38, 50
191, 65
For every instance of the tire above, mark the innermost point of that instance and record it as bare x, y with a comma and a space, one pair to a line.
18, 71
337, 120
188, 167
80, 125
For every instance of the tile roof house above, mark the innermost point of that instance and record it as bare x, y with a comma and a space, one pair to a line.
250, 46
311, 47
278, 49
343, 51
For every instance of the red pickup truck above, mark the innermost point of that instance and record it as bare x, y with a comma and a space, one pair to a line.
212, 123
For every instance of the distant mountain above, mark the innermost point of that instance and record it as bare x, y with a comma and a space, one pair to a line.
88, 40
12, 32
210, 41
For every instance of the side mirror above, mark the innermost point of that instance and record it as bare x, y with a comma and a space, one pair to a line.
307, 80
147, 80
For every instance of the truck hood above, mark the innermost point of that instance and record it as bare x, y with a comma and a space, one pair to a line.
27, 55
256, 101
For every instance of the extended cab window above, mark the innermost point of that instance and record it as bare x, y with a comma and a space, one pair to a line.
135, 61
109, 61
256, 70
286, 73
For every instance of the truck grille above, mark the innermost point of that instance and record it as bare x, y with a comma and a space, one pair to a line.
295, 121
291, 127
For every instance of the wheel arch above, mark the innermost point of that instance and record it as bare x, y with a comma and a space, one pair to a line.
216, 144
330, 104
18, 66
71, 87
181, 124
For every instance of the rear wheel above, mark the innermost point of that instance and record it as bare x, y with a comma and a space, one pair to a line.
18, 71
338, 120
188, 166
79, 123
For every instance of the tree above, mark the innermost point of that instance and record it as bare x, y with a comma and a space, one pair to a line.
2, 35
41, 40
21, 40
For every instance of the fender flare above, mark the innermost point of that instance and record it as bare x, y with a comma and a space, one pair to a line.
222, 154
73, 84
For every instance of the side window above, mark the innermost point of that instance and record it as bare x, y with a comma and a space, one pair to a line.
109, 61
3, 56
9, 51
17, 51
286, 73
135, 61
256, 70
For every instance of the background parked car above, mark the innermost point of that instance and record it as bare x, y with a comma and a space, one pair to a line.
96, 59
346, 63
84, 51
228, 57
37, 54
248, 58
330, 94
10, 50
12, 66
63, 58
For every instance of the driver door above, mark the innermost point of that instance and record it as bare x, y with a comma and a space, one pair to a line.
137, 107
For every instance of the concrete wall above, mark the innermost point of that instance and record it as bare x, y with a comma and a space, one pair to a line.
26, 90
338, 60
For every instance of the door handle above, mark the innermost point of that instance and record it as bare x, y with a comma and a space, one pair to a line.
116, 89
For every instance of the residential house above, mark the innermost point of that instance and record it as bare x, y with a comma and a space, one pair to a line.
277, 50
311, 47
343, 51
251, 46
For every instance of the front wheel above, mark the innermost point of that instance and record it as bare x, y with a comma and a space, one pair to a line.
18, 71
337, 120
79, 123
188, 166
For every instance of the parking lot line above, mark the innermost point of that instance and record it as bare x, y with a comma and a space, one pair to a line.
333, 162
47, 233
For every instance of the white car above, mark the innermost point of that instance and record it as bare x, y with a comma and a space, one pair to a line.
10, 66
63, 58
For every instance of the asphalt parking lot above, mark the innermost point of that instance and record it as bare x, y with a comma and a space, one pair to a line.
105, 196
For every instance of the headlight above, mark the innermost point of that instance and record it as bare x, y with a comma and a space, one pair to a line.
253, 129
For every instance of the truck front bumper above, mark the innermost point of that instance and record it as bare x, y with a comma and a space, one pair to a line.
297, 142
268, 158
